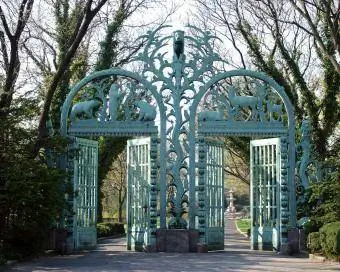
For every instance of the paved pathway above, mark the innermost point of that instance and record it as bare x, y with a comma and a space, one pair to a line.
111, 255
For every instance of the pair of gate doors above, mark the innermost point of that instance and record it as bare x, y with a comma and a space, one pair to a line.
264, 194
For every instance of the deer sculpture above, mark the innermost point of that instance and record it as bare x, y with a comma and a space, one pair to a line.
244, 101
274, 110
209, 115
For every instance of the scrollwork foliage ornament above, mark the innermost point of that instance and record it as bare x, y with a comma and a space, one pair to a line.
308, 169
178, 82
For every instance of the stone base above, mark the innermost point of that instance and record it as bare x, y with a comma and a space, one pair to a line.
176, 240
297, 240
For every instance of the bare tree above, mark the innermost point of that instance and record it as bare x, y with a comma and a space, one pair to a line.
11, 36
316, 16
88, 10
114, 185
77, 26
237, 161
296, 43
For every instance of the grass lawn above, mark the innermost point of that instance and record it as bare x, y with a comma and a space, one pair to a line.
243, 225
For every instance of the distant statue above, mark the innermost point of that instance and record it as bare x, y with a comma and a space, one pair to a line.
114, 97
84, 108
178, 43
231, 208
147, 112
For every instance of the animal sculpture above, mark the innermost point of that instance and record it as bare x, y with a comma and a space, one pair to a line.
274, 110
243, 101
114, 97
84, 108
211, 115
147, 112
178, 43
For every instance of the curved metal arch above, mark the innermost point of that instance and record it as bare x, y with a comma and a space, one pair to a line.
290, 127
243, 72
102, 74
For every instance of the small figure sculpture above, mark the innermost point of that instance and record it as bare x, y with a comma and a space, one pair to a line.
114, 97
84, 108
178, 43
147, 112
306, 158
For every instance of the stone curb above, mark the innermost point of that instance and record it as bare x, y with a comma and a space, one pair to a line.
322, 259
243, 233
317, 257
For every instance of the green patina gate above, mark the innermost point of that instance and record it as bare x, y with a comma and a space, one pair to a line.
138, 200
265, 165
176, 107
85, 182
214, 193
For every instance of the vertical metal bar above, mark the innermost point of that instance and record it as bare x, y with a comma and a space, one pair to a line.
268, 193
202, 196
222, 191
128, 199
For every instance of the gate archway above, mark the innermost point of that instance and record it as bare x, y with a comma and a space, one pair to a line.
179, 104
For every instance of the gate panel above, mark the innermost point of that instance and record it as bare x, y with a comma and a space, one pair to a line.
265, 182
214, 188
85, 179
138, 206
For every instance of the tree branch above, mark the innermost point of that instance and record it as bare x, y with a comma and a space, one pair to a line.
14, 62
65, 63
315, 32
4, 22
4, 50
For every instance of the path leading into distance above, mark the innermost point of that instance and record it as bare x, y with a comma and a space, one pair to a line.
111, 255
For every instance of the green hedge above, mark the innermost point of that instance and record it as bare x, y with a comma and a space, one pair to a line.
330, 240
313, 243
107, 229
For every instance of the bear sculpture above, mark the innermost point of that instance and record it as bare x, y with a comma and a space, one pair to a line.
84, 108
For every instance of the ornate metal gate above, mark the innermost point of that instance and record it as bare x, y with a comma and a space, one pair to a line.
138, 200
265, 180
180, 101
85, 174
214, 195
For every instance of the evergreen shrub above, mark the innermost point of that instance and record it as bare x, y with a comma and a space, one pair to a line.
313, 244
106, 229
330, 240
